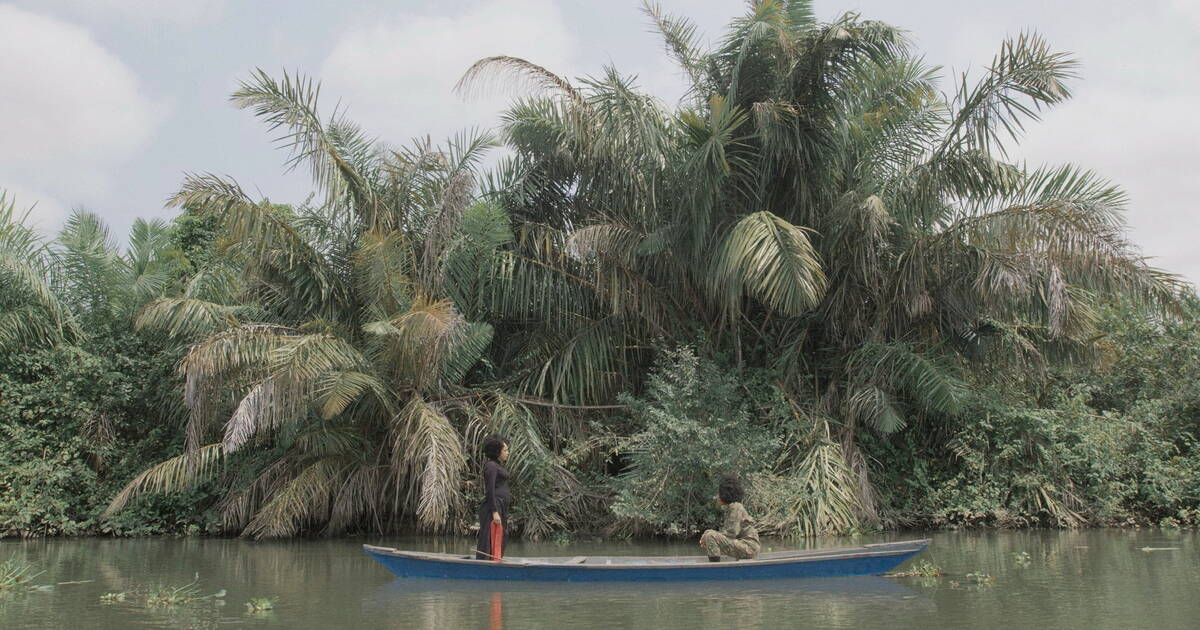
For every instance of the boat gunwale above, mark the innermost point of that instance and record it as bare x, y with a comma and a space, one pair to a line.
796, 557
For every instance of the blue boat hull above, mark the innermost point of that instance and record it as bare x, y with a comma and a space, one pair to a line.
871, 560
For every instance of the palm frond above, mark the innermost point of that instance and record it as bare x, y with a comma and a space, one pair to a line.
900, 367
335, 391
681, 41
476, 339
1025, 77
26, 269
290, 104
218, 282
771, 259
359, 498
800, 14
216, 366
301, 360
419, 340
871, 406
92, 267
455, 199
827, 491
514, 72
175, 474
25, 326
582, 365
185, 318
264, 407
484, 229
303, 499
273, 246
384, 267
427, 454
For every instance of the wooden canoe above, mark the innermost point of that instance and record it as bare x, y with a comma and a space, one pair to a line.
847, 561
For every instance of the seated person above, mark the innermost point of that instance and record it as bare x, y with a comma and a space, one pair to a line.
737, 538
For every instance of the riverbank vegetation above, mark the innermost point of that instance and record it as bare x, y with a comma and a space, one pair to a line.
816, 270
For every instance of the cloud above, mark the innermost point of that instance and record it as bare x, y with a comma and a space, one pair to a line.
1188, 9
45, 212
71, 114
140, 12
396, 76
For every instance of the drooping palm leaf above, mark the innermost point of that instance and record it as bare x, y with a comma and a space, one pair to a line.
771, 259
427, 454
172, 475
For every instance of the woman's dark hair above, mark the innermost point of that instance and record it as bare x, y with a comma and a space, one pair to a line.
492, 446
731, 490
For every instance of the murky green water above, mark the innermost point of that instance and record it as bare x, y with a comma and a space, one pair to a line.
1088, 580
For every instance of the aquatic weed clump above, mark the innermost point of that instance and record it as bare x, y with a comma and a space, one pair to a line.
17, 576
260, 605
166, 596
177, 595
923, 568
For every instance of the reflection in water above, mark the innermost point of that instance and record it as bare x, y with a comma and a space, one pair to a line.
466, 604
1090, 580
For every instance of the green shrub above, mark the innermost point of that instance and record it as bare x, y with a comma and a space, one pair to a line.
76, 424
694, 424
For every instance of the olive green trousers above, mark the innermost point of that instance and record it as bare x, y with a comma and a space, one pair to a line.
718, 544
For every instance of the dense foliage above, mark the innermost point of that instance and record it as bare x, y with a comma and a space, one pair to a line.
816, 271
81, 416
1110, 445
693, 425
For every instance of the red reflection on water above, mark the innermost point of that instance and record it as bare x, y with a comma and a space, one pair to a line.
497, 618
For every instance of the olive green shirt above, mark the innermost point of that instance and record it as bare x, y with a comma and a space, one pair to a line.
738, 523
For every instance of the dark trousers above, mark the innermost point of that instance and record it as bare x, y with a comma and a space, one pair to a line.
483, 548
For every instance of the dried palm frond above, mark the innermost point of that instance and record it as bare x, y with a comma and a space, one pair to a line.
513, 71
428, 462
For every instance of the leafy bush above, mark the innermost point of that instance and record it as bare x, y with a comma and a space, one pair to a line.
694, 425
75, 425
1111, 445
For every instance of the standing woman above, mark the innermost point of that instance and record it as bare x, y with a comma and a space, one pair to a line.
495, 499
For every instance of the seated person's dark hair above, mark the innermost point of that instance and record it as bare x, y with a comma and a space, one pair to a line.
731, 490
492, 446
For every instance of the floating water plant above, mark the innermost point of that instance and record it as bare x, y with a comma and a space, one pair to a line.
177, 595
979, 577
260, 604
16, 576
923, 568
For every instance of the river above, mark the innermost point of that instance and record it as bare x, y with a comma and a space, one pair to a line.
1087, 580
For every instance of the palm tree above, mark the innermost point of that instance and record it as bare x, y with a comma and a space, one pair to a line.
330, 386
104, 284
816, 206
31, 311
60, 291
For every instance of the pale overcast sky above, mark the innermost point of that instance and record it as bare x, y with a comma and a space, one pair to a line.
105, 103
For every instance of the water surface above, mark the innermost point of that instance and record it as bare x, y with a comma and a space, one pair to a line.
1072, 580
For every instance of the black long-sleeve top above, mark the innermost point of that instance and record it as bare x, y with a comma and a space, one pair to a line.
495, 482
